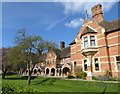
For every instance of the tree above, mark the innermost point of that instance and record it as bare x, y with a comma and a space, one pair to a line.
29, 50
4, 59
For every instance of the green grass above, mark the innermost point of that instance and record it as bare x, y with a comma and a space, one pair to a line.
59, 85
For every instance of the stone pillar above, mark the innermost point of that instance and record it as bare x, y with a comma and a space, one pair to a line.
49, 72
61, 72
45, 73
72, 69
89, 68
55, 72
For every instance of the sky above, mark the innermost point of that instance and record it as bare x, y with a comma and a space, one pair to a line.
53, 21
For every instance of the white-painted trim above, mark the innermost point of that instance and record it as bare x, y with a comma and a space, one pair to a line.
92, 28
86, 23
83, 63
116, 67
93, 60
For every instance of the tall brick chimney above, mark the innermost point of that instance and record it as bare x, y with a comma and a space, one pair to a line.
97, 13
62, 45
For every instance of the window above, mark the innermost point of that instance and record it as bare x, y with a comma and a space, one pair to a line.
96, 64
85, 65
69, 60
48, 62
88, 41
64, 61
118, 62
85, 41
53, 62
92, 40
74, 64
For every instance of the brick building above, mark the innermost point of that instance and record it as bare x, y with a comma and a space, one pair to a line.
96, 46
56, 62
95, 49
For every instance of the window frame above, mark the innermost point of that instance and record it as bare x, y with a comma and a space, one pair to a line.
118, 68
86, 41
92, 40
96, 63
85, 64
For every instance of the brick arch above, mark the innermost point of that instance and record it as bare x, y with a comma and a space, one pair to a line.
66, 70
53, 71
47, 71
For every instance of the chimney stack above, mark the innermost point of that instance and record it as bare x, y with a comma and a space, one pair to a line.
62, 45
97, 13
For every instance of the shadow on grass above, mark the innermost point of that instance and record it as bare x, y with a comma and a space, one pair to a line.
43, 81
20, 78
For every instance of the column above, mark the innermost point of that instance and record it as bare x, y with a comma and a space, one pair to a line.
89, 68
55, 71
45, 73
49, 72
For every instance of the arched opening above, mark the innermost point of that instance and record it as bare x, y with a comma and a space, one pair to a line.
57, 70
60, 72
35, 71
66, 71
39, 71
26, 71
47, 71
52, 72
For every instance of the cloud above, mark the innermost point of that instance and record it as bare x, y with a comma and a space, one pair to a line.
74, 23
54, 24
72, 7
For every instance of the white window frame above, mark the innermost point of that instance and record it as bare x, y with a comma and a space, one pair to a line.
117, 64
93, 64
83, 65
89, 41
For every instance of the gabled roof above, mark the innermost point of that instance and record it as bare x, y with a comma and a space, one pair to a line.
73, 42
86, 20
87, 30
110, 26
65, 52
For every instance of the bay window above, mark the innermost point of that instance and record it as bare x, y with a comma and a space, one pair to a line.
89, 41
92, 40
86, 41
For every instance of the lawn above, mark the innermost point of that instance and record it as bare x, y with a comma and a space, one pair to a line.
61, 85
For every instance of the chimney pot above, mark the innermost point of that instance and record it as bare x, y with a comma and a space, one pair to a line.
97, 13
62, 45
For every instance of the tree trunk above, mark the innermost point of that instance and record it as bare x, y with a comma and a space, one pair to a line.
30, 70
3, 74
29, 79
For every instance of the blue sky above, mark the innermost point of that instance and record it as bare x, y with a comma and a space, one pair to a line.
52, 20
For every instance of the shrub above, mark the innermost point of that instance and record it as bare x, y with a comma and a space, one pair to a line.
77, 71
83, 75
70, 77
10, 89
94, 77
112, 79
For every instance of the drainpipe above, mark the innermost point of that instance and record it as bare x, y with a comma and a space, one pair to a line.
108, 55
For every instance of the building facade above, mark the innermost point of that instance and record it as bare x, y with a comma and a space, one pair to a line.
56, 63
95, 49
96, 46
